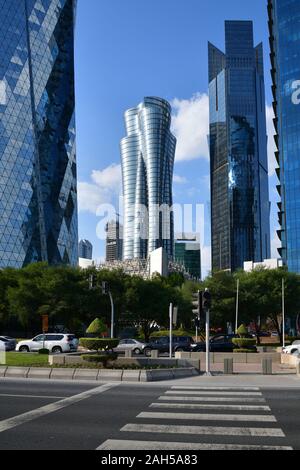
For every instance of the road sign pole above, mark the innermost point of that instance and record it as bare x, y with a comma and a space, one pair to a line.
171, 330
283, 313
112, 315
207, 328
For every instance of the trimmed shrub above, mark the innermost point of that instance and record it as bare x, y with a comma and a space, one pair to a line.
98, 344
97, 327
244, 343
249, 351
103, 359
44, 352
242, 331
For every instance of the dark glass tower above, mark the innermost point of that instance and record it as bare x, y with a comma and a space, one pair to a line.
284, 23
38, 193
238, 151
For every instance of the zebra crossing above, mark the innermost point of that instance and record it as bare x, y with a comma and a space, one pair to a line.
203, 418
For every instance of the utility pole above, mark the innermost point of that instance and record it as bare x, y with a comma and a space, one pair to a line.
283, 313
206, 308
237, 306
171, 330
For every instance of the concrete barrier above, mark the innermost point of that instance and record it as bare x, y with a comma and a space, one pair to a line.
146, 376
238, 358
110, 375
2, 371
298, 368
228, 366
86, 374
57, 360
62, 374
131, 376
183, 355
267, 366
38, 373
181, 373
17, 372
161, 374
129, 353
289, 359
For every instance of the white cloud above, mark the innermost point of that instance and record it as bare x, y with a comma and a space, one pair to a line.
271, 142
180, 179
105, 188
190, 124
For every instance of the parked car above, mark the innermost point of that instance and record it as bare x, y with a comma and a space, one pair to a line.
293, 348
162, 344
56, 343
9, 344
137, 347
218, 343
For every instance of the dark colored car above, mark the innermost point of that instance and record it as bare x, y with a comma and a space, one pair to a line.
162, 344
219, 343
8, 343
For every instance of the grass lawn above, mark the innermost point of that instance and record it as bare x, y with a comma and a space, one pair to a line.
26, 360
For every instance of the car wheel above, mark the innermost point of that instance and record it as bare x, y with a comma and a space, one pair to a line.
137, 351
57, 350
147, 352
24, 349
294, 351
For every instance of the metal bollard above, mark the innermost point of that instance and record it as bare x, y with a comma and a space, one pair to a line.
267, 366
228, 366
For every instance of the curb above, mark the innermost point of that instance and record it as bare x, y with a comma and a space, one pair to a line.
106, 375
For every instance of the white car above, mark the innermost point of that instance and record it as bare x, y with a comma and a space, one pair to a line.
130, 345
55, 342
293, 348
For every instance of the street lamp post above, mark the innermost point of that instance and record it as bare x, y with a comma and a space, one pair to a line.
206, 308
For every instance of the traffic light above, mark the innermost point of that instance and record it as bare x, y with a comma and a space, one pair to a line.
105, 288
198, 304
206, 301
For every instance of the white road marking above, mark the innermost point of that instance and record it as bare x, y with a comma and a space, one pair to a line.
8, 395
213, 399
223, 394
45, 410
211, 407
208, 417
204, 430
211, 389
148, 445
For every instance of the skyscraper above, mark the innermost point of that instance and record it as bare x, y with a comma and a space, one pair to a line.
238, 150
85, 249
284, 24
114, 241
38, 193
148, 154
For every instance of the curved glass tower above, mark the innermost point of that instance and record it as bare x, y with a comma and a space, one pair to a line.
148, 154
38, 193
238, 151
284, 24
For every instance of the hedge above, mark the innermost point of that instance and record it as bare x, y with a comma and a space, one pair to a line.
98, 344
248, 351
103, 359
244, 343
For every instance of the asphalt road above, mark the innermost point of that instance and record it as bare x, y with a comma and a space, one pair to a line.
58, 415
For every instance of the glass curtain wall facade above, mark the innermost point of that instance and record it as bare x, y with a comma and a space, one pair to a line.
85, 249
189, 255
284, 24
38, 191
238, 150
147, 155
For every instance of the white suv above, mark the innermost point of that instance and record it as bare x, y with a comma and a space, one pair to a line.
293, 349
56, 343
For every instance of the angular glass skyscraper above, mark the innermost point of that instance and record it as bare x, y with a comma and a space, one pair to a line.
284, 23
38, 193
238, 151
148, 154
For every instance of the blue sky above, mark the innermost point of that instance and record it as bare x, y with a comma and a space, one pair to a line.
128, 49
